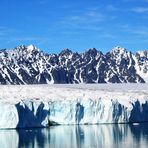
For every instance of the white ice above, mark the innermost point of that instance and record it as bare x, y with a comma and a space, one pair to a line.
41, 105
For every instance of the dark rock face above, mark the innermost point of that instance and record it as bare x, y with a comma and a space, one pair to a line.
29, 65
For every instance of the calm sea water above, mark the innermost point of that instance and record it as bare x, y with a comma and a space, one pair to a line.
86, 136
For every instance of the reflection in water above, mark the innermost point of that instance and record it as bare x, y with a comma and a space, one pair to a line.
86, 136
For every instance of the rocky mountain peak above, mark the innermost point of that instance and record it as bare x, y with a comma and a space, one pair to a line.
118, 50
29, 65
65, 52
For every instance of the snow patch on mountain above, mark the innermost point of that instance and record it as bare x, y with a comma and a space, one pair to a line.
30, 65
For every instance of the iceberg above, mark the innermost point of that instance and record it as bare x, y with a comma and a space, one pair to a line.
24, 106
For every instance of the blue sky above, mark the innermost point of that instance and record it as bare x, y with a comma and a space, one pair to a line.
53, 25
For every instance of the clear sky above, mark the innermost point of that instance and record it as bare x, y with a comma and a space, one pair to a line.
53, 25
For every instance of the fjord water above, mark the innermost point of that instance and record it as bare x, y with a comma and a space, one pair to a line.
86, 136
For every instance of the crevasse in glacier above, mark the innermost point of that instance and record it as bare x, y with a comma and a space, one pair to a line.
41, 106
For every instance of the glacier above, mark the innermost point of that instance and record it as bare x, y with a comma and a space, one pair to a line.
24, 106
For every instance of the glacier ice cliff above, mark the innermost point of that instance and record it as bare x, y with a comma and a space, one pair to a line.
44, 105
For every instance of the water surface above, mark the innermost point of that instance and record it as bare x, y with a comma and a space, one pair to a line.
86, 136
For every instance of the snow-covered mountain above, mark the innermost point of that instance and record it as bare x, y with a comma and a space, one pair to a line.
30, 65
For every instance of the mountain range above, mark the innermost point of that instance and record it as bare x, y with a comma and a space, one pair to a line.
30, 65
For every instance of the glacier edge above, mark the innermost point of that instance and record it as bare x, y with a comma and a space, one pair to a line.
42, 114
71, 105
